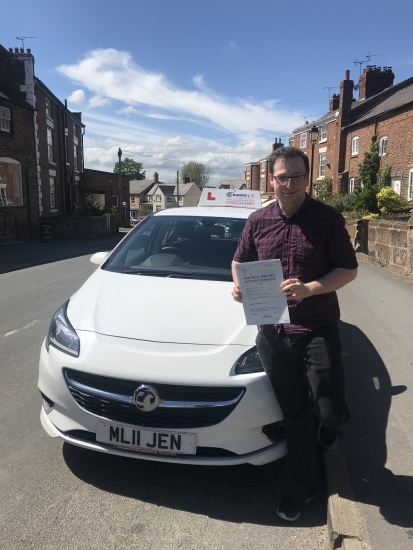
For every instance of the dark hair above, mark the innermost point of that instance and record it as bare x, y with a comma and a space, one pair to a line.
286, 153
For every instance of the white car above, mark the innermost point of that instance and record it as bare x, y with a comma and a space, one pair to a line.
151, 358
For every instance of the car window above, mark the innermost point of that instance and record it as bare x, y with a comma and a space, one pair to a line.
179, 246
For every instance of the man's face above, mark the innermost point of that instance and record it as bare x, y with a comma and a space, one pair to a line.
291, 192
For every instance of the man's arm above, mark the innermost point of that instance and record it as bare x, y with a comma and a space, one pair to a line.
335, 279
235, 292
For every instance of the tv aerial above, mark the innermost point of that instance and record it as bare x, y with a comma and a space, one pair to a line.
329, 88
367, 60
23, 38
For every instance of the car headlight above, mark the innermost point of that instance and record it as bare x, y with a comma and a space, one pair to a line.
249, 362
61, 334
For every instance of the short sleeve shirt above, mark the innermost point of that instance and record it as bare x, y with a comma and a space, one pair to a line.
310, 243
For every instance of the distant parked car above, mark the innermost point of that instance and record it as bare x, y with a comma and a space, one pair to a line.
134, 221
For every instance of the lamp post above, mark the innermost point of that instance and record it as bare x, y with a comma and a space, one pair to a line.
120, 185
313, 139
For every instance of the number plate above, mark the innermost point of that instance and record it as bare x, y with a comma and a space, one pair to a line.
150, 441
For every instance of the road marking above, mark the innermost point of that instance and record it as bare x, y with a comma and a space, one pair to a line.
21, 328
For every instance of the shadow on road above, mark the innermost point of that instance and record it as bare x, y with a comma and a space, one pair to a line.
369, 392
239, 494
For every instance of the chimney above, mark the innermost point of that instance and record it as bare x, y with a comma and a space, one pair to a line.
16, 50
29, 51
374, 80
156, 177
186, 179
11, 50
277, 144
334, 102
346, 98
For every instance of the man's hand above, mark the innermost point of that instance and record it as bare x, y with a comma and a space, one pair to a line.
294, 289
236, 294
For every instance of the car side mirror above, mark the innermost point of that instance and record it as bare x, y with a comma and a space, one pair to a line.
99, 257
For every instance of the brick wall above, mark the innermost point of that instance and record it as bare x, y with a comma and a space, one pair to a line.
100, 183
389, 243
84, 228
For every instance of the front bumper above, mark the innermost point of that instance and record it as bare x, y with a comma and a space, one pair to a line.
239, 434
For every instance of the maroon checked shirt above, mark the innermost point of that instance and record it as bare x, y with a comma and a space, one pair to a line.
310, 243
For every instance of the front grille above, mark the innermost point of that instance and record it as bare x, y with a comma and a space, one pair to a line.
210, 452
91, 397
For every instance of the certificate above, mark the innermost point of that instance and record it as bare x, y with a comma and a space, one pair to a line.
263, 300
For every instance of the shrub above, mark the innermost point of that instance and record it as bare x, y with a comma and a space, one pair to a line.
388, 200
323, 189
342, 203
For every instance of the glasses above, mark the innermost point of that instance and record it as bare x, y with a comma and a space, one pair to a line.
283, 180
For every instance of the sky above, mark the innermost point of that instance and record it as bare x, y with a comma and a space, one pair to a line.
170, 81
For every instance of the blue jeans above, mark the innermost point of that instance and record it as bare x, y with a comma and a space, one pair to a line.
307, 377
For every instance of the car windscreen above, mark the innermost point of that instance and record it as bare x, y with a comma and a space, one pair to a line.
179, 246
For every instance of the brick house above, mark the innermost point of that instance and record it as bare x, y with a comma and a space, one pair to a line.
105, 189
171, 195
257, 175
345, 132
140, 205
41, 148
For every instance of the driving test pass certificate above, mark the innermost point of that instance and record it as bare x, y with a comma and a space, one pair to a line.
263, 300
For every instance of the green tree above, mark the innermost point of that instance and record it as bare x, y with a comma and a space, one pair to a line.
197, 172
384, 177
323, 189
369, 168
130, 168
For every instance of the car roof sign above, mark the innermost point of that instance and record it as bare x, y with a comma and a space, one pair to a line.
226, 197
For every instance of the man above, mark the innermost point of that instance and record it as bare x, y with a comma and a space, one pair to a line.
303, 358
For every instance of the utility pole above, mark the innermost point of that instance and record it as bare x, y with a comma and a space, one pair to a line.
120, 184
177, 189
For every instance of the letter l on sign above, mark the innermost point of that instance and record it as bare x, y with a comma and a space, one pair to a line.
210, 196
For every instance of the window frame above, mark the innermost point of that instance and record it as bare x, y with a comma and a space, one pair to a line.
322, 156
52, 192
4, 118
50, 148
355, 145
169, 198
351, 185
303, 140
383, 145
48, 108
410, 186
323, 133
158, 198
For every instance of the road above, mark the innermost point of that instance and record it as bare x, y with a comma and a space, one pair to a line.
56, 496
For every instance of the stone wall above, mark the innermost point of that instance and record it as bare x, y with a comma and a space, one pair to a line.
386, 243
82, 228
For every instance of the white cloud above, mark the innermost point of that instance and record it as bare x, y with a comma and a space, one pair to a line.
114, 75
129, 110
77, 97
98, 101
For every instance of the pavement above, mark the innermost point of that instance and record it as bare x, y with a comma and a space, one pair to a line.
16, 255
345, 526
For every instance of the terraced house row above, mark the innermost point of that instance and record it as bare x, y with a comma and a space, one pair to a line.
383, 109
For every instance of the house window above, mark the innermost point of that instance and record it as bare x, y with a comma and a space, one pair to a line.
351, 184
322, 165
10, 182
74, 130
323, 133
383, 146
132, 200
5, 119
355, 146
50, 145
158, 198
48, 108
410, 187
303, 140
169, 199
52, 193
115, 201
75, 157
180, 200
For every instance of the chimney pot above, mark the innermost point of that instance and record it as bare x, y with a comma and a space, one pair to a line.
21, 50
16, 50
11, 50
347, 75
29, 50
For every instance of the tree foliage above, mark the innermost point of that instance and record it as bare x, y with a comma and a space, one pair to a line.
388, 200
323, 189
197, 172
130, 168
